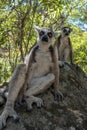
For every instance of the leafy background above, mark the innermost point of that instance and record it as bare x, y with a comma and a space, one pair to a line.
17, 35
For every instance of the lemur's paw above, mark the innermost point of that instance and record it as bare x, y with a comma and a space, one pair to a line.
31, 100
19, 101
61, 63
14, 115
5, 114
2, 122
58, 96
39, 102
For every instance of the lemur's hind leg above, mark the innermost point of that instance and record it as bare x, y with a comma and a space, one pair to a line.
37, 86
15, 85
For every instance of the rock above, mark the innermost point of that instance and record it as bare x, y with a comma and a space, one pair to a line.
15, 126
70, 114
72, 128
58, 128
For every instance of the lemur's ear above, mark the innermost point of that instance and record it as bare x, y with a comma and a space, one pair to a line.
62, 28
37, 29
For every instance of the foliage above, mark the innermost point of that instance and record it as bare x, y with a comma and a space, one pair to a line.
17, 35
80, 48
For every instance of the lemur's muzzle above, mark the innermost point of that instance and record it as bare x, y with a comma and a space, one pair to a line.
67, 33
45, 38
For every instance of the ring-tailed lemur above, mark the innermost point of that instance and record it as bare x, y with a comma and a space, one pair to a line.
39, 71
64, 45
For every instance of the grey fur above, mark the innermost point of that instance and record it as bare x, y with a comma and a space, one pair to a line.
64, 46
43, 72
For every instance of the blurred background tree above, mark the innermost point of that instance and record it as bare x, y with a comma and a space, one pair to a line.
17, 35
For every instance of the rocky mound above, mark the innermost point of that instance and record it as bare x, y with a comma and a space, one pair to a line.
70, 114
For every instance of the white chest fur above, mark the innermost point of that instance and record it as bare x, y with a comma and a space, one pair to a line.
64, 44
43, 63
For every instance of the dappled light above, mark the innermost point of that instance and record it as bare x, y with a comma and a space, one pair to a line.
17, 35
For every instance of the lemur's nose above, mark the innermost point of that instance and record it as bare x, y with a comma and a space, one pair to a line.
67, 33
45, 38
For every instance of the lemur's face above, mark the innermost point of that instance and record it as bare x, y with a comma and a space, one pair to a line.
66, 31
45, 35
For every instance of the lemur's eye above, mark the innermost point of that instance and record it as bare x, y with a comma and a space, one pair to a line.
50, 34
41, 33
64, 30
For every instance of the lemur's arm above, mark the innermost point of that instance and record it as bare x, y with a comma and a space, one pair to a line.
71, 52
31, 59
15, 84
57, 43
55, 69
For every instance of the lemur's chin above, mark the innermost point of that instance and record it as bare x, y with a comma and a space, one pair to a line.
45, 42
